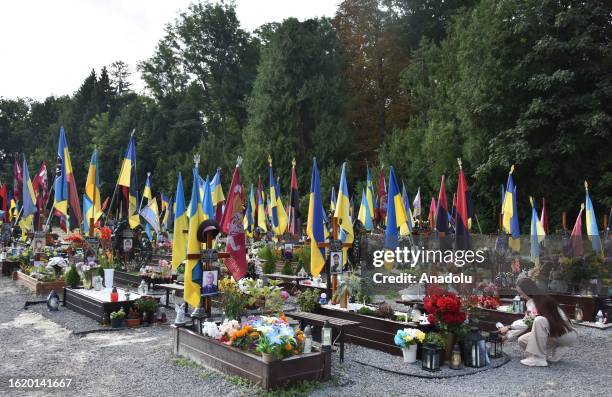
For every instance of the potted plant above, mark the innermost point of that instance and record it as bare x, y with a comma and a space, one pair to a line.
117, 318
407, 339
265, 348
147, 306
308, 300
71, 277
445, 312
232, 300
133, 318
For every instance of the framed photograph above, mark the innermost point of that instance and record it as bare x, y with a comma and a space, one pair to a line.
210, 283
127, 245
335, 261
38, 243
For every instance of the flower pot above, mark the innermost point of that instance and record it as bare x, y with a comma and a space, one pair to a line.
149, 318
116, 322
449, 342
410, 353
267, 357
132, 322
108, 278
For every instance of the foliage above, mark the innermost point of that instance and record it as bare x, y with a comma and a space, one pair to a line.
270, 298
302, 256
308, 300
71, 277
385, 310
146, 304
435, 338
232, 299
118, 315
269, 258
287, 269
366, 310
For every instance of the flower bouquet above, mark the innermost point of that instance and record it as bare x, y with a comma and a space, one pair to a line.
407, 339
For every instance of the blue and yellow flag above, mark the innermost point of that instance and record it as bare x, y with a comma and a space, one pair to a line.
150, 214
396, 213
332, 201
127, 179
65, 185
510, 214
192, 288
278, 216
260, 208
365, 215
92, 205
169, 212
591, 222
345, 223
216, 188
407, 229
207, 201
29, 201
370, 195
29, 197
179, 237
314, 228
148, 194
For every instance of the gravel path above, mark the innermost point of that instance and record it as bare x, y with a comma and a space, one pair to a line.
139, 362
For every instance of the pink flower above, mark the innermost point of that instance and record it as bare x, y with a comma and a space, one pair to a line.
284, 295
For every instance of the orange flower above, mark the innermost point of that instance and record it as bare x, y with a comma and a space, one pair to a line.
288, 347
300, 337
282, 317
254, 335
296, 352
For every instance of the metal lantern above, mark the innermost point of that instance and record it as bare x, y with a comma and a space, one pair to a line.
495, 345
326, 336
474, 349
431, 357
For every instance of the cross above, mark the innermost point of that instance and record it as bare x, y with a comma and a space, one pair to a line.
209, 256
334, 244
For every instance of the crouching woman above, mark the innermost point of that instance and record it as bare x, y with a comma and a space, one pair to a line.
551, 333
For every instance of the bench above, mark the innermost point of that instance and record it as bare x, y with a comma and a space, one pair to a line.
318, 320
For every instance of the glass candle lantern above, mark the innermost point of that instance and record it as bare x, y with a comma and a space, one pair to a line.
455, 362
578, 314
474, 349
308, 339
431, 357
495, 345
326, 336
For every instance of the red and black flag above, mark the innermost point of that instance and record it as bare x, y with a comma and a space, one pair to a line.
295, 218
231, 224
4, 201
462, 232
41, 187
442, 210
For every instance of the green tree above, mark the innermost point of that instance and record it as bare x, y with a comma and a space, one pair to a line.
297, 108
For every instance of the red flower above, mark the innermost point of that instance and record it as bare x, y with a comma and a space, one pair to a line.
432, 319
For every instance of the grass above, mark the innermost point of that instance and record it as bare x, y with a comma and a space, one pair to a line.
186, 363
302, 389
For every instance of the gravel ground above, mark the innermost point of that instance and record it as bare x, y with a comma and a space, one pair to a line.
139, 362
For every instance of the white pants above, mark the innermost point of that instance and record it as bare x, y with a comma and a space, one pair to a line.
538, 343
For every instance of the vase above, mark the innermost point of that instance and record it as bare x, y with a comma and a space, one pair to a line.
108, 278
410, 354
87, 279
267, 357
97, 283
132, 322
449, 343
116, 322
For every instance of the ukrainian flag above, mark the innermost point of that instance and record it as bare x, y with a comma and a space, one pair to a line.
148, 194
342, 213
314, 228
216, 188
396, 213
192, 289
207, 201
277, 210
510, 214
332, 204
29, 198
92, 205
179, 237
127, 179
407, 228
365, 215
370, 196
169, 207
591, 222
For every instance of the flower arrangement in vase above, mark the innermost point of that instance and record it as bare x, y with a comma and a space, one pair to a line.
408, 339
